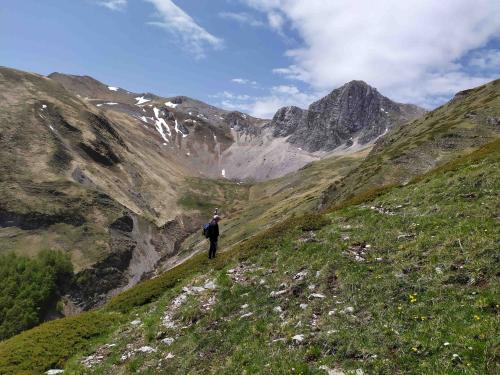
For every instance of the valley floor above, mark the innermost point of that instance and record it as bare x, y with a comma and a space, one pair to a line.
405, 282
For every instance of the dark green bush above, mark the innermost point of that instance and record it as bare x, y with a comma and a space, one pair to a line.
29, 288
313, 222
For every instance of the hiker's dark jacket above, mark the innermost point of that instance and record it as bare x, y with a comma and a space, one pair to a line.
213, 231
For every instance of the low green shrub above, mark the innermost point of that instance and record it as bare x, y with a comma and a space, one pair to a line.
50, 344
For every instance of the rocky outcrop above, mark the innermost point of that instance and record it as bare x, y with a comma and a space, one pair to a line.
287, 120
355, 110
138, 248
242, 123
38, 220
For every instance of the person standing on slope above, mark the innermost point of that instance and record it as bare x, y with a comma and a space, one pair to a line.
213, 235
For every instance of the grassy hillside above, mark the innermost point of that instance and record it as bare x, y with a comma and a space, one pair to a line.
406, 282
467, 122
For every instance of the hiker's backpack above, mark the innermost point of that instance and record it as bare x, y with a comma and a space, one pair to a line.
205, 230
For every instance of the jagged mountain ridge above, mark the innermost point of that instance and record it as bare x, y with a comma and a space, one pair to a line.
258, 149
355, 112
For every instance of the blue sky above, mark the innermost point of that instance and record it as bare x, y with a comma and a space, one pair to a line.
258, 55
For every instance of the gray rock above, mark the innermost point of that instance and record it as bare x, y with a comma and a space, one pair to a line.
287, 120
355, 110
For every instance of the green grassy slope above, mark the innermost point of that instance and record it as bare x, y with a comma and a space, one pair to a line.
467, 122
406, 282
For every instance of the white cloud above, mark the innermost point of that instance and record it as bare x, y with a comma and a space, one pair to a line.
487, 60
393, 45
230, 95
265, 106
244, 81
243, 18
194, 38
276, 21
285, 89
113, 4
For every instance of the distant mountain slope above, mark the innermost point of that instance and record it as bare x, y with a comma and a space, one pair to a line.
244, 147
470, 120
353, 113
94, 183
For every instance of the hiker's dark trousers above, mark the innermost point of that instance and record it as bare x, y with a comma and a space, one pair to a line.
213, 249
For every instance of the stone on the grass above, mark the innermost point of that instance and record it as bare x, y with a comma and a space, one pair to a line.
331, 371
179, 300
210, 285
92, 360
168, 341
348, 310
303, 306
146, 349
244, 306
246, 315
169, 356
300, 276
317, 295
278, 309
278, 293
125, 356
358, 258
193, 289
54, 371
298, 338
135, 322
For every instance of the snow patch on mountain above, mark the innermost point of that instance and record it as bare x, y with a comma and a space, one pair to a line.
112, 88
177, 130
141, 100
161, 125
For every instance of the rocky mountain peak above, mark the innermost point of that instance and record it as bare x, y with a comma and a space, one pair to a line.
354, 113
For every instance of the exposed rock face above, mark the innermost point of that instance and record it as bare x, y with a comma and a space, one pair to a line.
287, 120
242, 123
37, 220
355, 110
138, 248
